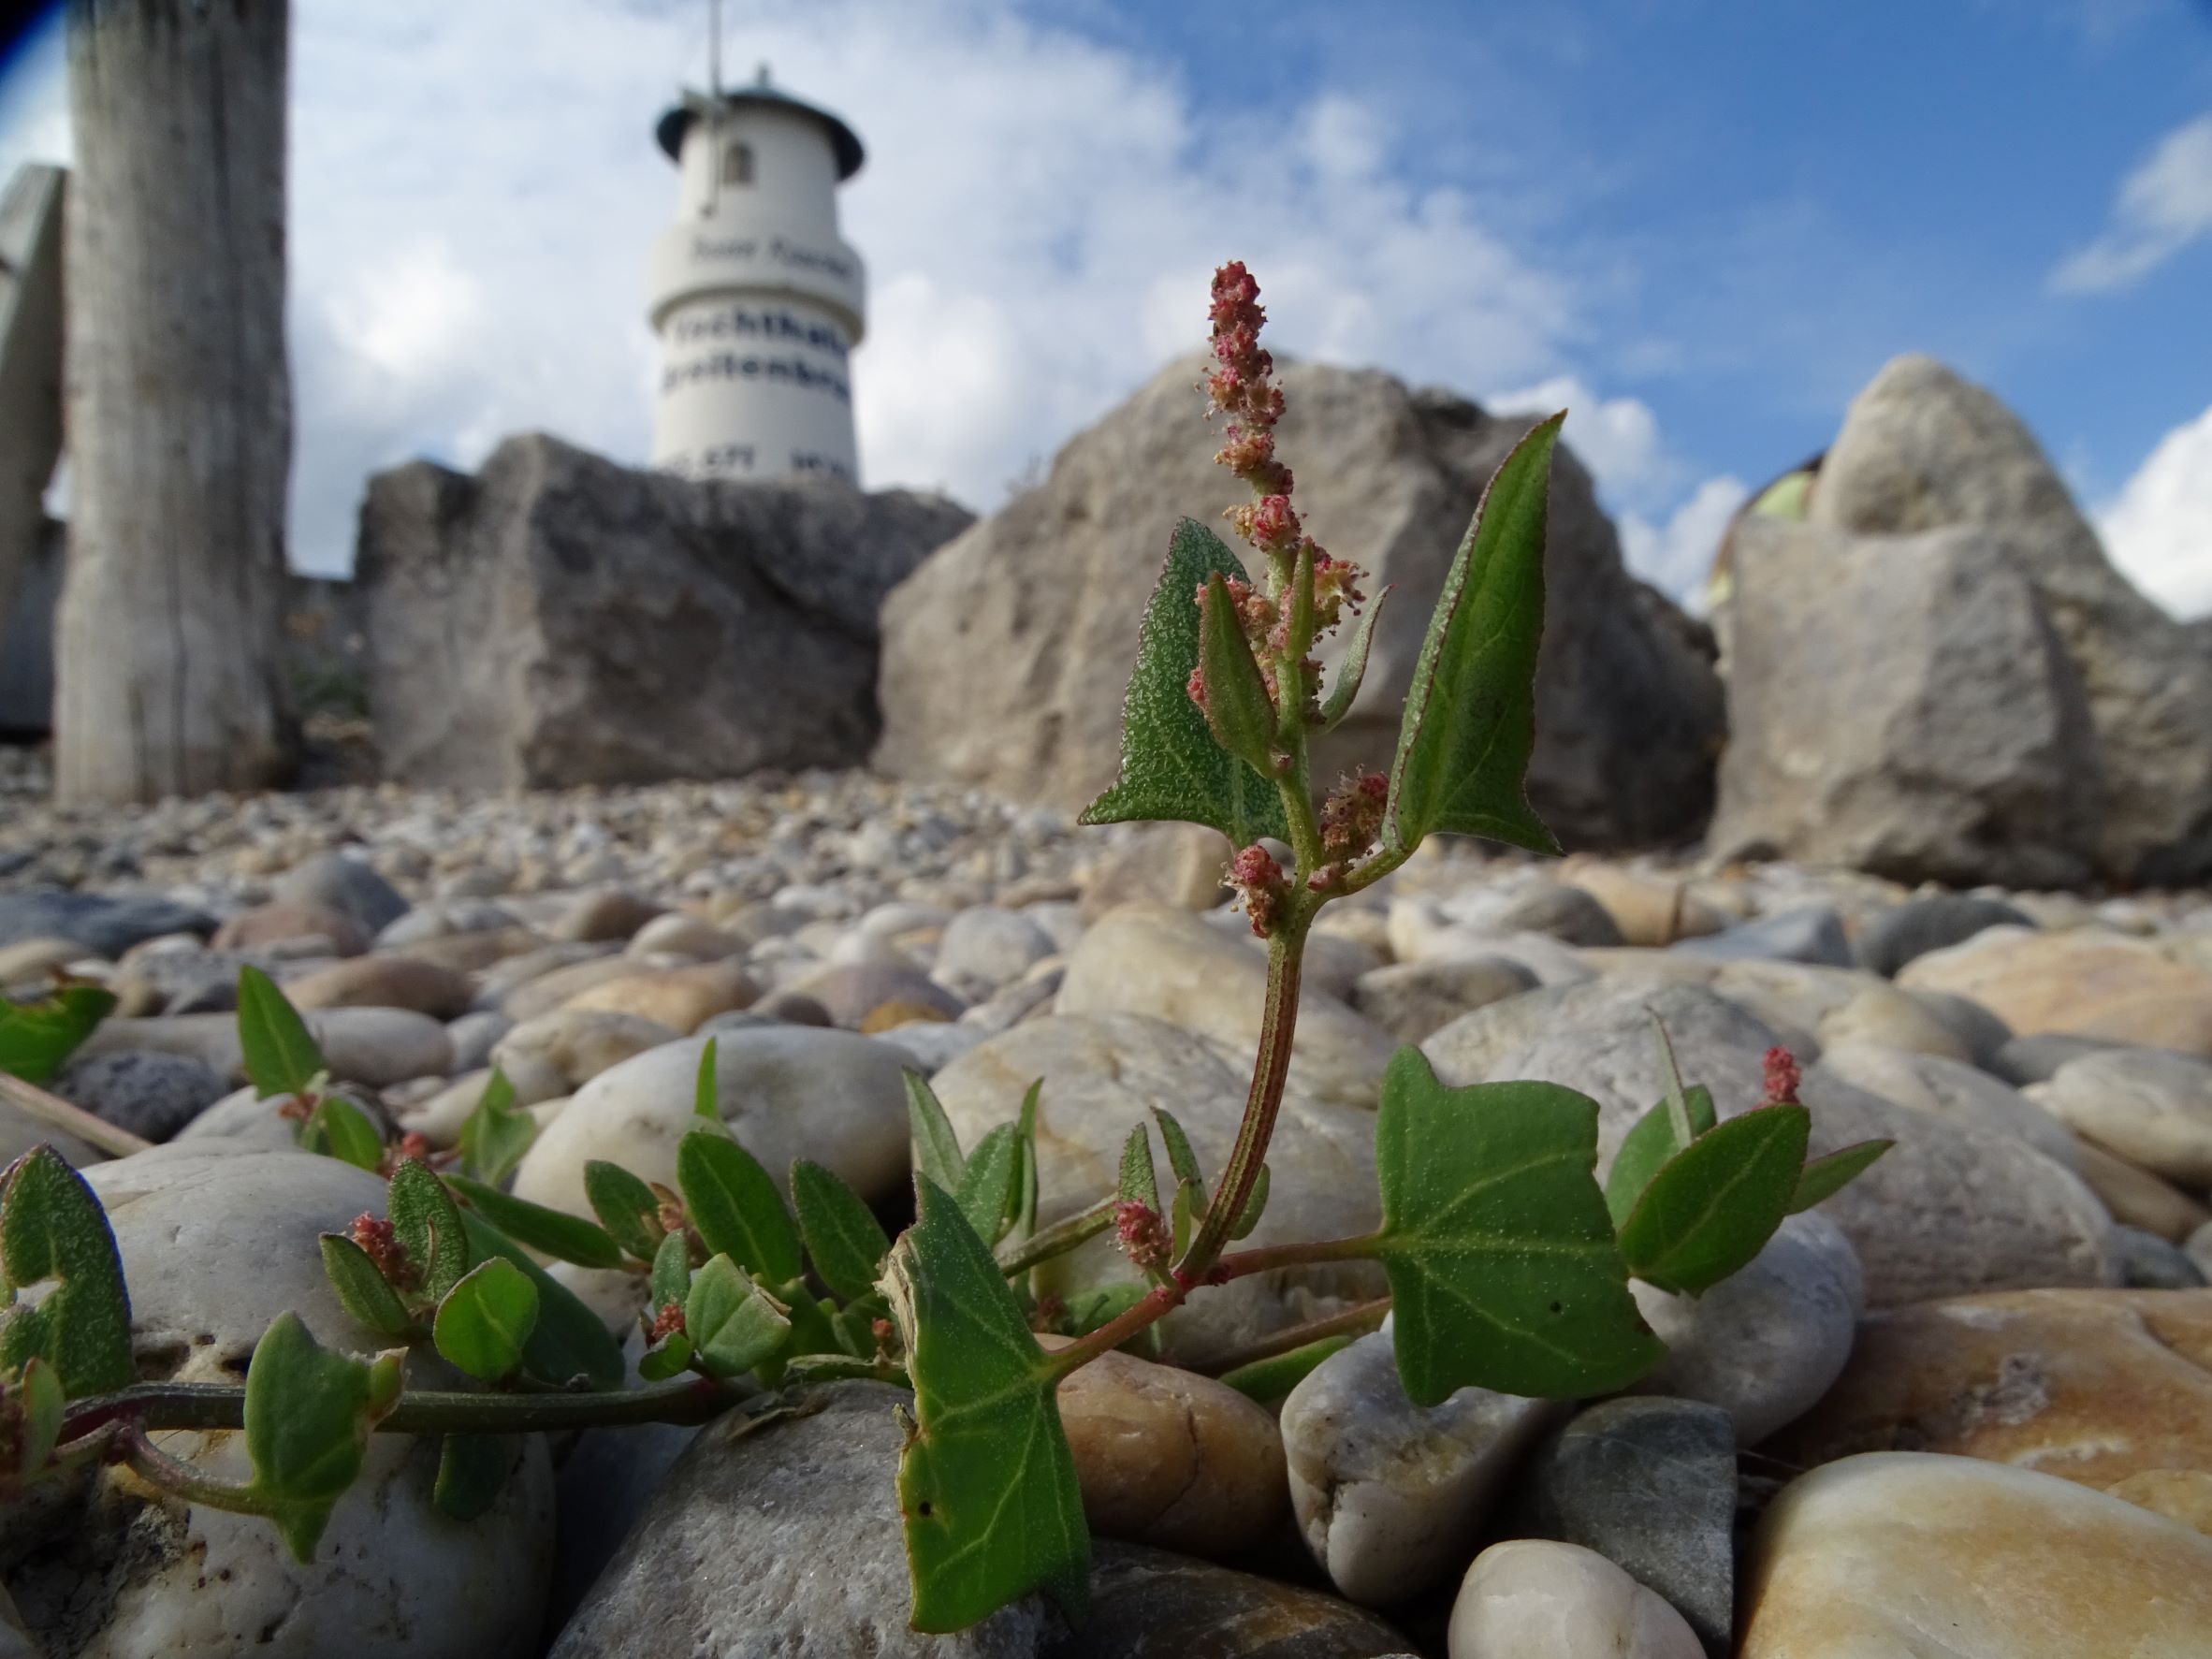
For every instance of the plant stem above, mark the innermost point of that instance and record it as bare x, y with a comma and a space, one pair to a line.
1356, 1320
155, 1407
1116, 1331
58, 1114
1060, 1238
1242, 1262
1271, 1071
180, 1479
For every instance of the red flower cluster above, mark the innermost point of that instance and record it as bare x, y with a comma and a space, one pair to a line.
382, 1245
1352, 815
1783, 1076
1143, 1235
1258, 879
667, 1322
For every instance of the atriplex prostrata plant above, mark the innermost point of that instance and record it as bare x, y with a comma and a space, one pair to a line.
1508, 1263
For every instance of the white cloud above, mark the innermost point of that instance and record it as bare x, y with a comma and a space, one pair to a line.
475, 190
1616, 437
1677, 556
2164, 205
2158, 529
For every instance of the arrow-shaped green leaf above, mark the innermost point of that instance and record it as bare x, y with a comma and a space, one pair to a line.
1171, 765
37, 1036
986, 1482
281, 1055
486, 1318
1503, 1274
842, 1234
733, 1203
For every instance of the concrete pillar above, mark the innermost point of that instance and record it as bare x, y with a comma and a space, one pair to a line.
30, 367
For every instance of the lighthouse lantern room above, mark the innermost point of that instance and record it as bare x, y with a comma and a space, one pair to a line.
757, 300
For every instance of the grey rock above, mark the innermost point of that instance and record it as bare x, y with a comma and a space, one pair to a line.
105, 924
152, 1095
1764, 1343
1565, 913
603, 1487
558, 619
2150, 1107
1923, 448
2148, 1262
783, 1006
1983, 1032
1650, 1484
780, 1538
2036, 1059
1813, 934
997, 671
2198, 1248
1537, 1598
474, 1036
1391, 1496
930, 1046
1902, 704
1147, 1604
1948, 1088
351, 887
987, 947
1919, 925
1104, 1073
1412, 1000
851, 992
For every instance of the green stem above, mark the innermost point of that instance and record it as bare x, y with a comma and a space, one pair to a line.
1356, 1320
1058, 1239
180, 1479
155, 1407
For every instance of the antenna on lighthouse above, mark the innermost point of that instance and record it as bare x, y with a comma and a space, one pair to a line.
714, 47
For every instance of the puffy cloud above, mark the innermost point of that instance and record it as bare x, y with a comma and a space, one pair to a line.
1616, 437
2164, 205
1677, 556
2159, 528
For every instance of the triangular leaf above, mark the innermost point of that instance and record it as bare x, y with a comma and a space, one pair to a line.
843, 1236
308, 1417
1714, 1205
35, 1038
1171, 765
281, 1053
1824, 1177
733, 1204
1471, 713
534, 1227
1649, 1145
1503, 1274
52, 1227
986, 1482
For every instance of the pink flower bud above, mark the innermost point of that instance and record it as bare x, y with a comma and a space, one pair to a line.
1783, 1078
1143, 1235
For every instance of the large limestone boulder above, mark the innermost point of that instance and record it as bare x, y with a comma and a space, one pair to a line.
558, 619
1902, 704
1005, 656
1922, 450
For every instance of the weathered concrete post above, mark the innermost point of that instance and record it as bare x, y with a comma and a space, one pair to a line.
29, 366
178, 401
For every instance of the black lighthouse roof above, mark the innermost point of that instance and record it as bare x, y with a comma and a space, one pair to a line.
671, 128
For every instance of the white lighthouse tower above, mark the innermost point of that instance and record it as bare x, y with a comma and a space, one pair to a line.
757, 300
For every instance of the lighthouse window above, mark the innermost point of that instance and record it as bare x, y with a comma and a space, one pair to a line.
737, 165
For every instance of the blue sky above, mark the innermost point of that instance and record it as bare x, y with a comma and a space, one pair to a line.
1702, 226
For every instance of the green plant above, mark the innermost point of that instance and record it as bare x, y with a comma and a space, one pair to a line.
1509, 1262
